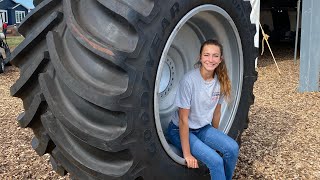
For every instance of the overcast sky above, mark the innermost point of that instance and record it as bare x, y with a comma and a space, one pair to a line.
27, 3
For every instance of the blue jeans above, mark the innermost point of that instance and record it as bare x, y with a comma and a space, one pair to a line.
204, 143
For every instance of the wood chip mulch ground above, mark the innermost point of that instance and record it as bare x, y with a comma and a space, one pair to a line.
282, 141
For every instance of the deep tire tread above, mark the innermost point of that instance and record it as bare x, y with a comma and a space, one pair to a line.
56, 166
26, 45
65, 165
31, 21
25, 119
31, 72
86, 134
127, 34
107, 101
41, 145
108, 166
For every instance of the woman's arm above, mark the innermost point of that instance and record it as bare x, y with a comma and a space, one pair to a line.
216, 116
184, 137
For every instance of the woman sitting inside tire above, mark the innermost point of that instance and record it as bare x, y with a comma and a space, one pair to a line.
194, 126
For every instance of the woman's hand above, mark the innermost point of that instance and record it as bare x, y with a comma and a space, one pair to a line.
191, 162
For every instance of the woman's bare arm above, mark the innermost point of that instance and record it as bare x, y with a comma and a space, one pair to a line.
184, 137
216, 116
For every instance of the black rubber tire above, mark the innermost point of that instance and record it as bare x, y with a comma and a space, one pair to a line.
1, 65
36, 2
87, 80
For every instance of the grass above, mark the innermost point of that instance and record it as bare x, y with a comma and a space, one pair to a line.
14, 41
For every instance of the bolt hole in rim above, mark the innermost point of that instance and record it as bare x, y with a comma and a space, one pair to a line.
180, 54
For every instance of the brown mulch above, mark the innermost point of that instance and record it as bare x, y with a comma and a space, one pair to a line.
283, 138
281, 142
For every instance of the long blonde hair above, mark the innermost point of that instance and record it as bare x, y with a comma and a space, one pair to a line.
221, 70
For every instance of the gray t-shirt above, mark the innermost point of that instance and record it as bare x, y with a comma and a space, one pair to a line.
198, 95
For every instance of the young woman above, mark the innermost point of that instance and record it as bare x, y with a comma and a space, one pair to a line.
193, 128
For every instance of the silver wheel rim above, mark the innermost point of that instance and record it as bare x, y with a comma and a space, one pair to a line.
181, 52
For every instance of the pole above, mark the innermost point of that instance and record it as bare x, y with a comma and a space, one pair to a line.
297, 32
310, 49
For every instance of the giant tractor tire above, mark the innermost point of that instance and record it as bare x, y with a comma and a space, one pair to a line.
98, 79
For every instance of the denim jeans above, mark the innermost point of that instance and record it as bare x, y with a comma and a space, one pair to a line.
204, 144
